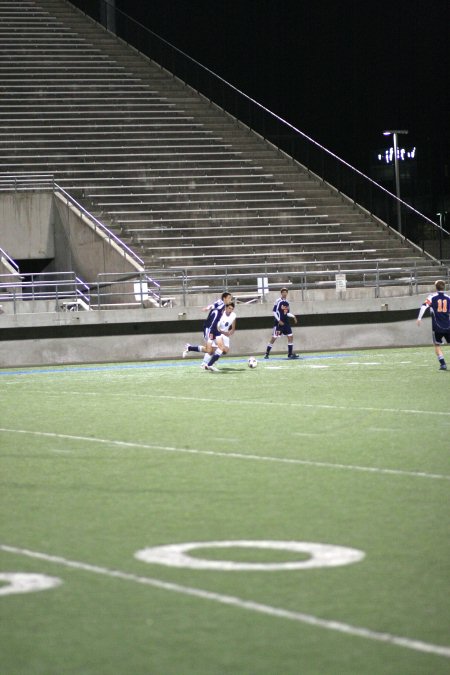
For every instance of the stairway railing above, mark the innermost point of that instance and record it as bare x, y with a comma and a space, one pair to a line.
418, 228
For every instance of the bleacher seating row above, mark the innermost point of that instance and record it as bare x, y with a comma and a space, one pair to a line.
171, 174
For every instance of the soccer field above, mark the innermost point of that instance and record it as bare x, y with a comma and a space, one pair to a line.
287, 520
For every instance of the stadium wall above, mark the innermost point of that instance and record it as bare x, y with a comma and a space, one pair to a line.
146, 334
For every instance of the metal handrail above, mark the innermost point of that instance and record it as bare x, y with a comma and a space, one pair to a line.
127, 251
9, 260
45, 181
283, 136
49, 286
115, 291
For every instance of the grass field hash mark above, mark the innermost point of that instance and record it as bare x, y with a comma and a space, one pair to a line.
233, 601
229, 455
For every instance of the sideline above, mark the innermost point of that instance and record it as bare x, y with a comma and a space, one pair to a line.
229, 455
170, 363
240, 603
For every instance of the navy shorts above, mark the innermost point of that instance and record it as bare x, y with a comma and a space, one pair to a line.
285, 329
439, 337
211, 332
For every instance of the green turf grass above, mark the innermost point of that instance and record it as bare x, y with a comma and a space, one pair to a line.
350, 450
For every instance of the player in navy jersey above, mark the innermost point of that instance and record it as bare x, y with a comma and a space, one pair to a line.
210, 331
439, 305
282, 326
221, 343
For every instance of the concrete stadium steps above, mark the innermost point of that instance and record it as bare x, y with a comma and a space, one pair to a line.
300, 241
357, 271
213, 255
175, 177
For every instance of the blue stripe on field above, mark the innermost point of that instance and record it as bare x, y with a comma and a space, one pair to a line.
164, 364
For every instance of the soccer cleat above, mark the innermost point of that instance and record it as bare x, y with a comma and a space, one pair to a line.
186, 350
212, 369
293, 356
443, 366
203, 366
266, 356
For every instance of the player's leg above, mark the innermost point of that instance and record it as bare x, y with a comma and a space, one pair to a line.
271, 342
210, 346
438, 341
290, 339
192, 348
213, 359
223, 343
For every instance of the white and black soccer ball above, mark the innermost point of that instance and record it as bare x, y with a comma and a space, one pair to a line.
252, 362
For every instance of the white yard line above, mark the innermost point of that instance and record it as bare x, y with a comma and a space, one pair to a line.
238, 401
240, 603
228, 455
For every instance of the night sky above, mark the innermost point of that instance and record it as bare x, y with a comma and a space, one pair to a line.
341, 71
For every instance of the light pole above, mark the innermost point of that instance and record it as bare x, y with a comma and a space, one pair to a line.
394, 133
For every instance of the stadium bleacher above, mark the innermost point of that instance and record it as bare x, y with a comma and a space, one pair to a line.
175, 177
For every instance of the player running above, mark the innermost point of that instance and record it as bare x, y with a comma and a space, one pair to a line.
439, 305
210, 331
226, 327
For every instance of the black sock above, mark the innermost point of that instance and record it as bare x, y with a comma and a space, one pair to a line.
213, 359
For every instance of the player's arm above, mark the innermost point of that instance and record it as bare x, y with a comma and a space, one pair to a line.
232, 329
292, 316
277, 317
276, 313
422, 310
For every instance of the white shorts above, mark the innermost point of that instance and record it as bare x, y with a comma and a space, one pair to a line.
225, 340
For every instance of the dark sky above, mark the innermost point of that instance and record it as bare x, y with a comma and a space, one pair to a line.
341, 71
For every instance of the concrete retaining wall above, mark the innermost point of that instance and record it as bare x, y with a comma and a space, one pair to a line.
144, 334
26, 226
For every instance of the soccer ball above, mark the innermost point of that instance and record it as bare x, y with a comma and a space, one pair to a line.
252, 362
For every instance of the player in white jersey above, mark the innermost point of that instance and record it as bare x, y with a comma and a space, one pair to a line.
226, 328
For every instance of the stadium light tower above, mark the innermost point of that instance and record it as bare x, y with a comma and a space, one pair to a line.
394, 133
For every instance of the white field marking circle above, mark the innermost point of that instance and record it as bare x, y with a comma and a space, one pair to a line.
26, 583
322, 555
240, 603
